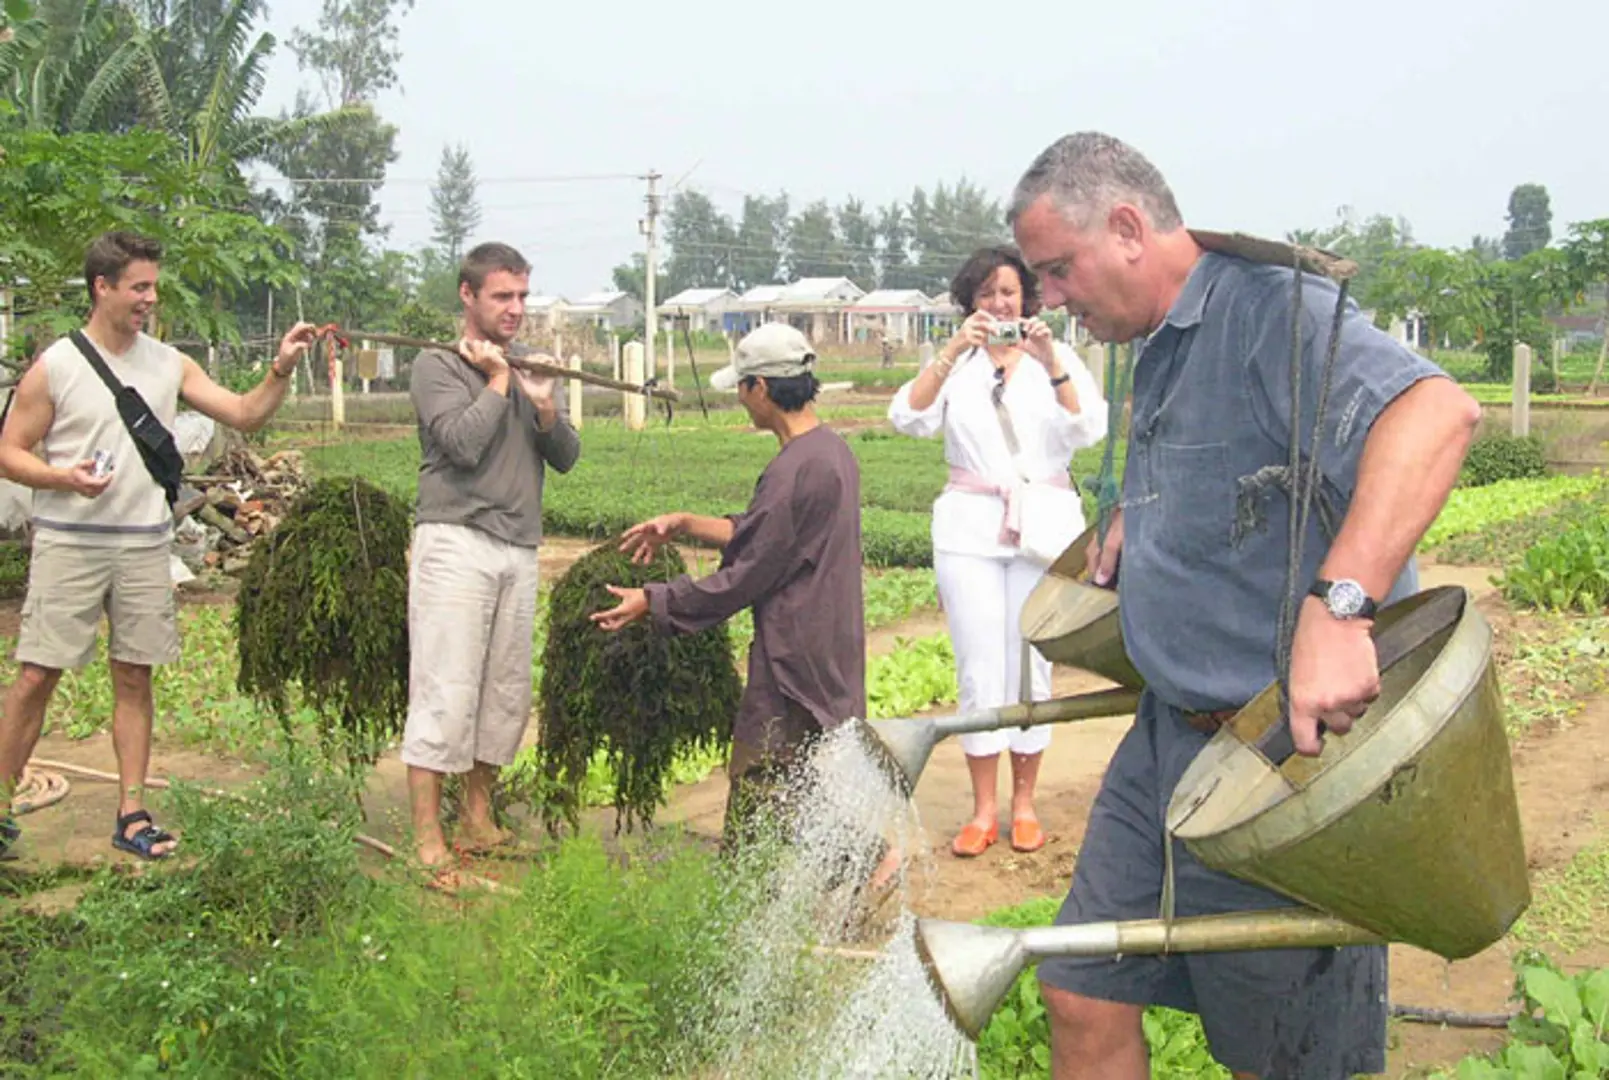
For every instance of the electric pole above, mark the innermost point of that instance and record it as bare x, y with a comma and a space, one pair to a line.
649, 226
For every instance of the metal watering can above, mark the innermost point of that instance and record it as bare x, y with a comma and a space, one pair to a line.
1405, 829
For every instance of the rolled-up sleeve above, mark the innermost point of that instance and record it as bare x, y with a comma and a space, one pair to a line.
459, 417
1371, 370
921, 423
1088, 426
759, 553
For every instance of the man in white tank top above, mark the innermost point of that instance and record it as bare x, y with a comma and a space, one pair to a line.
102, 534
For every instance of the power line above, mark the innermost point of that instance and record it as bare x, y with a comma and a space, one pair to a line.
553, 179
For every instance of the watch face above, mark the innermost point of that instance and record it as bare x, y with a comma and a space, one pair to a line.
1346, 599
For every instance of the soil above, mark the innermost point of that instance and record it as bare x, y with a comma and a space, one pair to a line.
1561, 774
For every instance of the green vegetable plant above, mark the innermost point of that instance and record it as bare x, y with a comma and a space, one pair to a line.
1562, 1032
1568, 571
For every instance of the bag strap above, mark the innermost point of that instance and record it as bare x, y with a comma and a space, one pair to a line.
998, 395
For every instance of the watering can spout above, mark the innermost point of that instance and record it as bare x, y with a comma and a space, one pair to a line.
972, 968
903, 746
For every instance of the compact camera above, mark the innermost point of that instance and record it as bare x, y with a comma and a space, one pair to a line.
102, 464
1006, 333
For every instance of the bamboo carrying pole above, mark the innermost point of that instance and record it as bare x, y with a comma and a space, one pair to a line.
537, 366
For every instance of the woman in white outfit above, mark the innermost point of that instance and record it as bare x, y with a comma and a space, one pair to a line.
1003, 515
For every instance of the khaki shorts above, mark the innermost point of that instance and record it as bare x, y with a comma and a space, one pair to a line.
471, 610
70, 587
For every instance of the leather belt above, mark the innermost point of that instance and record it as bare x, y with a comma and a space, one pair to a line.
1208, 723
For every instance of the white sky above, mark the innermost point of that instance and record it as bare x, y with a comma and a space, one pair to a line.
1264, 116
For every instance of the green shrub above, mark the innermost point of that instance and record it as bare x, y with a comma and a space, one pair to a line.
1565, 571
14, 559
1503, 457
270, 952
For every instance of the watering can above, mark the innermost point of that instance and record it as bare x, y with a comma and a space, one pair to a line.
1071, 621
903, 746
1405, 829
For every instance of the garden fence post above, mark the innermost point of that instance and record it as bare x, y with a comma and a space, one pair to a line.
1522, 390
575, 393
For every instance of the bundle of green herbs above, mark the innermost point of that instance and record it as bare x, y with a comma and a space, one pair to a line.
640, 697
322, 616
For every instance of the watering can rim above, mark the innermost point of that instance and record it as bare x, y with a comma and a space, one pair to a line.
1357, 776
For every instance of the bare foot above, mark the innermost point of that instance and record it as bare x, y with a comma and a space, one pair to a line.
476, 838
433, 854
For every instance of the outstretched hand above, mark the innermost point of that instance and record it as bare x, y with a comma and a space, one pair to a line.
633, 606
642, 542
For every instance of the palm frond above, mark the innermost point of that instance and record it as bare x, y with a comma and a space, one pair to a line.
118, 74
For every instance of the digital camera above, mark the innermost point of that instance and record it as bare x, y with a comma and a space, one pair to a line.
1006, 333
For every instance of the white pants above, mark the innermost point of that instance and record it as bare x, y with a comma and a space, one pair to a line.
471, 610
983, 601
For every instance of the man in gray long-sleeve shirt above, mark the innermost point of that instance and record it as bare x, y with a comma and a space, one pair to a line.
486, 433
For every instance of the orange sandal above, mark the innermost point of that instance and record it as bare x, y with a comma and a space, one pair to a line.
1026, 835
974, 841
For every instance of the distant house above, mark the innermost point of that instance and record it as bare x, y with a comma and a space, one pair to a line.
894, 315
705, 310
1578, 329
607, 310
819, 307
545, 312
939, 318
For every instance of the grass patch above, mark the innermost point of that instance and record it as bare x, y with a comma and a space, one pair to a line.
1555, 663
1501, 542
1470, 510
1568, 902
624, 477
269, 952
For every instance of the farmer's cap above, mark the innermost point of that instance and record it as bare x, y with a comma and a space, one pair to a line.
774, 351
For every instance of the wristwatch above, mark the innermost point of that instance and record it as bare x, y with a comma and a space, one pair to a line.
1344, 598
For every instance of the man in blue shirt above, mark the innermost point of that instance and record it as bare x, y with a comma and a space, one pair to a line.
1203, 539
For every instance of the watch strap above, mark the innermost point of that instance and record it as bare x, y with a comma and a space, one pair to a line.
1322, 589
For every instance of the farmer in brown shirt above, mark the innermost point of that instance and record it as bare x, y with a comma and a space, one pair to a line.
793, 556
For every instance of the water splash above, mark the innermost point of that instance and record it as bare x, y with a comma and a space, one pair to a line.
797, 993
894, 1024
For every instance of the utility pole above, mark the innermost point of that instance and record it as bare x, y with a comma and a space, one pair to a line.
649, 226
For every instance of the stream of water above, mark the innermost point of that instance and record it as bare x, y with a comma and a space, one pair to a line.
804, 993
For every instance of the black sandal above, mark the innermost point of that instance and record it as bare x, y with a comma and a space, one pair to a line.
10, 832
142, 842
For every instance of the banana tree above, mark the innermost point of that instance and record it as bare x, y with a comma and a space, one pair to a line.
188, 68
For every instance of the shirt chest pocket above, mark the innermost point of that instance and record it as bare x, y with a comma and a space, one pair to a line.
1194, 494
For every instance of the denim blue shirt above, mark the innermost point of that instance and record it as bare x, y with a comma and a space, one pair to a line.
1205, 515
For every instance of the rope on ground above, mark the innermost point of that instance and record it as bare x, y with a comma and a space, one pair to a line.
38, 789
155, 782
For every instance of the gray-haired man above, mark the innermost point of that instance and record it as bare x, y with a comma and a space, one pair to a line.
1201, 594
